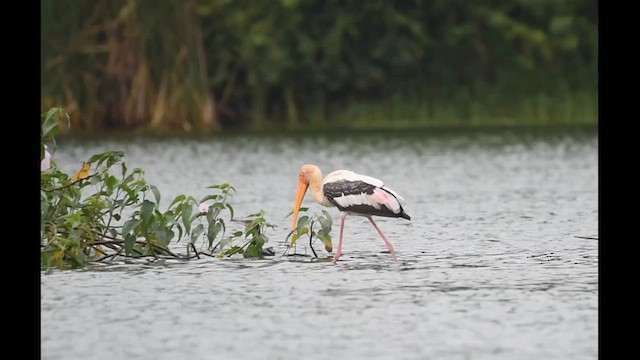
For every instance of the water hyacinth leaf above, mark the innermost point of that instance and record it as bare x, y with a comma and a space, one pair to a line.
258, 214
224, 243
46, 255
163, 234
197, 215
73, 220
303, 221
111, 157
77, 258
50, 126
114, 157
259, 240
186, 217
213, 231
129, 225
326, 221
298, 234
129, 240
230, 210
146, 211
111, 182
326, 240
253, 228
302, 209
197, 231
156, 193
210, 197
177, 199
233, 250
130, 192
252, 251
214, 211
95, 180
179, 231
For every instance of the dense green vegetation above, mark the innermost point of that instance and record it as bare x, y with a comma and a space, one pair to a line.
106, 212
213, 64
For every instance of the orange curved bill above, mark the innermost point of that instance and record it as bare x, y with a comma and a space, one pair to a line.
302, 190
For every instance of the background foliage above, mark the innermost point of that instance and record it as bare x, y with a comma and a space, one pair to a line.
214, 64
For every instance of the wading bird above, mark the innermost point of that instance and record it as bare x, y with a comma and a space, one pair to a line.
352, 194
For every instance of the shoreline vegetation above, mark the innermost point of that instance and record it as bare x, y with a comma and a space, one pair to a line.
205, 66
107, 212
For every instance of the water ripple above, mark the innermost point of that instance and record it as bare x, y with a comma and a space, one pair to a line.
490, 267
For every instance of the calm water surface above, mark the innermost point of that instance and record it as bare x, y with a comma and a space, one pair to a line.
491, 266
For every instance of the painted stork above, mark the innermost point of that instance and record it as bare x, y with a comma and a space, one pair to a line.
352, 194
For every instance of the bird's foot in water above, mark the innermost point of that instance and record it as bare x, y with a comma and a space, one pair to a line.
336, 256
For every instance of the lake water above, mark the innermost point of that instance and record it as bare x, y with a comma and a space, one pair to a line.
499, 260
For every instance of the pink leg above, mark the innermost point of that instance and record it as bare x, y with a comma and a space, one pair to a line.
386, 241
339, 251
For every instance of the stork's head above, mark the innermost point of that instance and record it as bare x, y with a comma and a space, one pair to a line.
307, 172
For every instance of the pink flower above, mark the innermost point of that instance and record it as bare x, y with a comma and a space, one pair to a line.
45, 164
203, 208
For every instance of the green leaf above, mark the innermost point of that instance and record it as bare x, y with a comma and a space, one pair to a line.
302, 209
130, 225
178, 199
179, 232
46, 255
164, 234
50, 125
252, 251
253, 228
186, 217
95, 179
146, 211
260, 240
129, 240
302, 222
156, 193
233, 250
326, 240
298, 234
78, 258
224, 243
230, 210
197, 231
210, 197
214, 211
213, 231
326, 222
74, 220
111, 182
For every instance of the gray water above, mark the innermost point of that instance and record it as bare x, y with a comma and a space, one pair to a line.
495, 263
